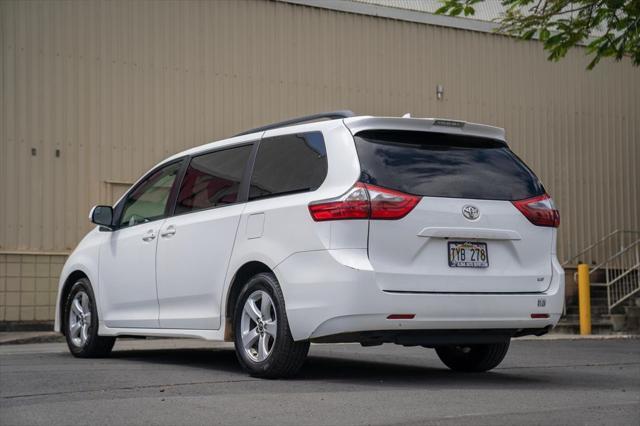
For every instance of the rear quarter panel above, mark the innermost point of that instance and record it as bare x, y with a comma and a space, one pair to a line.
287, 226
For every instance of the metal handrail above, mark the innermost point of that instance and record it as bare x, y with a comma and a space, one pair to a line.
623, 285
613, 256
629, 293
598, 243
621, 269
601, 240
624, 274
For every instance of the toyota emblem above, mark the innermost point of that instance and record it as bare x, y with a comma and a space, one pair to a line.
470, 212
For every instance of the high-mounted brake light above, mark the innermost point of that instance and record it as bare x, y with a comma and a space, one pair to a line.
364, 201
539, 210
401, 316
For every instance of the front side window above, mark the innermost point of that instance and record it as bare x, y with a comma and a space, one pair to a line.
148, 201
212, 179
289, 164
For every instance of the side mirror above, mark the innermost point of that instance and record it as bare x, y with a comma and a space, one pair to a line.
103, 216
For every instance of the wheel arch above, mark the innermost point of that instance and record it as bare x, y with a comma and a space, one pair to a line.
72, 278
246, 271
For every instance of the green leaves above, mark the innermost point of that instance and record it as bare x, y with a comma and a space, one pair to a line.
544, 34
456, 7
608, 28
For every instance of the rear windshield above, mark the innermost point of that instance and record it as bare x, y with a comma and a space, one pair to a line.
444, 165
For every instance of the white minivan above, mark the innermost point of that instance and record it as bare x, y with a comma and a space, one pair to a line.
414, 231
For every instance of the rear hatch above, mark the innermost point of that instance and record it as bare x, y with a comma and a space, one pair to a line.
465, 234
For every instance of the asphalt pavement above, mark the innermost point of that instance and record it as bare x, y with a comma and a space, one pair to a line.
173, 382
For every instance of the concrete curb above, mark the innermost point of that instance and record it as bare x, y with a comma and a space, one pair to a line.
20, 326
26, 337
563, 336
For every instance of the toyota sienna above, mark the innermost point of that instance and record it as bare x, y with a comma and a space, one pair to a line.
418, 232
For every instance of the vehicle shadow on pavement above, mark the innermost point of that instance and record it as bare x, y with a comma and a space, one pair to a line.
221, 359
329, 368
369, 372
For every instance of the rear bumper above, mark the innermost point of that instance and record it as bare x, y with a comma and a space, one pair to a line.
431, 338
334, 292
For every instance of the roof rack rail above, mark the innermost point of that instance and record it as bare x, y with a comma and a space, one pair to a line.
332, 115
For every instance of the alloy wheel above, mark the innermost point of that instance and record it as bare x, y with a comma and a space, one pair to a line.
80, 319
258, 326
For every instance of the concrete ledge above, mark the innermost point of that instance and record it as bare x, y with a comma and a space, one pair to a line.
24, 337
566, 336
26, 326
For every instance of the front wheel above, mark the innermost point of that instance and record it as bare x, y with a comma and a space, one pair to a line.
81, 323
473, 358
262, 337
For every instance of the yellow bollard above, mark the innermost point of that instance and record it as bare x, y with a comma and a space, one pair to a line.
584, 298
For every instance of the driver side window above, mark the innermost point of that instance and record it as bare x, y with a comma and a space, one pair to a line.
149, 200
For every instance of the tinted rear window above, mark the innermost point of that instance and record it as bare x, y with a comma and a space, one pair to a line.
289, 164
443, 165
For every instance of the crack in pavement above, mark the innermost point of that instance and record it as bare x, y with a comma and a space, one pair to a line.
213, 382
126, 388
604, 364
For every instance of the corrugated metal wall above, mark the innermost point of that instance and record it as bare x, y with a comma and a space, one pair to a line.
116, 86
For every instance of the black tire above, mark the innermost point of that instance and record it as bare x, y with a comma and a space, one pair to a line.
473, 358
286, 357
93, 346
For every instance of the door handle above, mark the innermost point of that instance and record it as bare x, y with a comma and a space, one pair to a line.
169, 232
150, 235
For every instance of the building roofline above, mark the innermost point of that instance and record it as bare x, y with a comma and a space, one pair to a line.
411, 15
400, 14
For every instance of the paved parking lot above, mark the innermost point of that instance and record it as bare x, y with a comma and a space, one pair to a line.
174, 382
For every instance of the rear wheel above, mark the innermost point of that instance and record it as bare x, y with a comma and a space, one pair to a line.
262, 337
81, 323
473, 358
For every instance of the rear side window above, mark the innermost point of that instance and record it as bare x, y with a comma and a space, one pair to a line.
443, 165
212, 180
289, 164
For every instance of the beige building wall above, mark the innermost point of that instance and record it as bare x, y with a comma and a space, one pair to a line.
95, 92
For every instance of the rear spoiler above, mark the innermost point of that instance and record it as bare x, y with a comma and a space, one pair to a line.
438, 125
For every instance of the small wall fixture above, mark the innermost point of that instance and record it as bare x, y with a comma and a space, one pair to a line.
439, 92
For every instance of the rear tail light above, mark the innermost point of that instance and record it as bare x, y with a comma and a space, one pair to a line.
539, 210
390, 204
354, 204
364, 201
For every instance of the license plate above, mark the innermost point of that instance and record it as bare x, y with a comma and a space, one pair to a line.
468, 255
